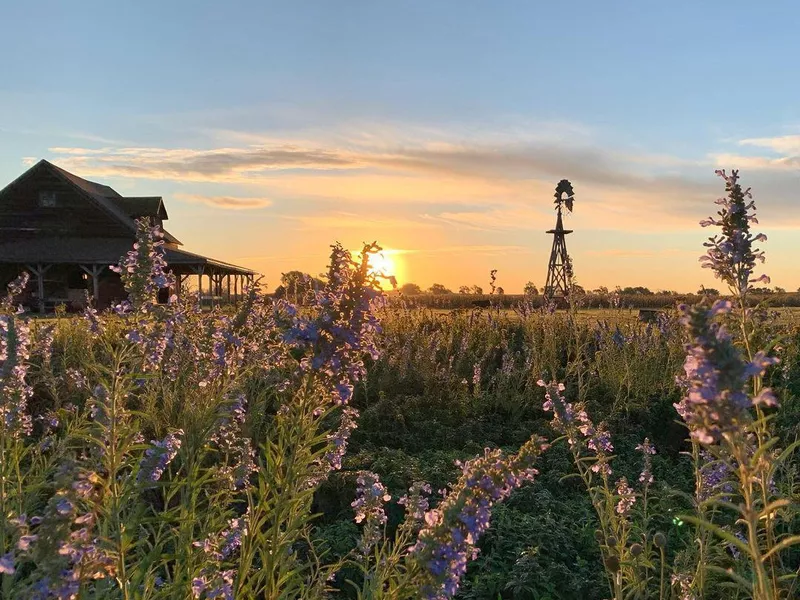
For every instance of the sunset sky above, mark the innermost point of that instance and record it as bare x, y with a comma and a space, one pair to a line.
438, 128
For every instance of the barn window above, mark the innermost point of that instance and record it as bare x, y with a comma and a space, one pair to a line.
47, 199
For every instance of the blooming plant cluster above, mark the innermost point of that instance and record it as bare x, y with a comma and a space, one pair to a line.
250, 412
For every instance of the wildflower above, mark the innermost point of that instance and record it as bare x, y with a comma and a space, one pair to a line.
229, 437
448, 539
626, 497
731, 254
715, 401
715, 478
368, 505
647, 449
14, 289
7, 564
143, 268
415, 502
14, 390
158, 457
339, 439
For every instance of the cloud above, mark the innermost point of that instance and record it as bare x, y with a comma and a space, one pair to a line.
786, 144
229, 202
345, 220
479, 180
184, 164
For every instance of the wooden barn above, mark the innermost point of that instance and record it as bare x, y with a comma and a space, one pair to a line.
66, 231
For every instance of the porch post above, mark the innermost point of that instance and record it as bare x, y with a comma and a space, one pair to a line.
199, 271
94, 272
39, 270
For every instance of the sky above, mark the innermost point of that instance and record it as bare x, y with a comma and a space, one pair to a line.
437, 128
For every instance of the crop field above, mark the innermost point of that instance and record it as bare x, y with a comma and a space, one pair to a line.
350, 448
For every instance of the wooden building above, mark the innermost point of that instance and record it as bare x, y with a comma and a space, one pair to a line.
66, 231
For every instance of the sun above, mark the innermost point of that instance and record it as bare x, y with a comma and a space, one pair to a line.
385, 264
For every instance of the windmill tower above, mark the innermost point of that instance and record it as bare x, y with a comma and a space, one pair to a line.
559, 269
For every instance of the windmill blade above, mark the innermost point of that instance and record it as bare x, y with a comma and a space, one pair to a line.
568, 202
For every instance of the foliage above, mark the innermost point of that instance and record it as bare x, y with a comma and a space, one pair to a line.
342, 446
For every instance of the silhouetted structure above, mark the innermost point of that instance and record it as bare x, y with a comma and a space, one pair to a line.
66, 231
559, 268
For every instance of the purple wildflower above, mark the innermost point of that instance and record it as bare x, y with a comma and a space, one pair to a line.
647, 449
715, 478
229, 437
370, 497
715, 400
731, 254
7, 564
416, 502
143, 268
14, 390
625, 495
448, 540
158, 457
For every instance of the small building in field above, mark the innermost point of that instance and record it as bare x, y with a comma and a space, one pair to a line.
66, 232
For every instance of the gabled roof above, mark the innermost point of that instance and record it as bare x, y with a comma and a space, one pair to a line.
125, 210
101, 250
142, 206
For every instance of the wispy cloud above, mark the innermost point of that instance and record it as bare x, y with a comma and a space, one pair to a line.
228, 202
346, 220
479, 180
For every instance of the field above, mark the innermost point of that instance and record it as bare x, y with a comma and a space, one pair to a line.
354, 447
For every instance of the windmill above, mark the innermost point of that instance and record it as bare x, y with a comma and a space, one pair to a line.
559, 269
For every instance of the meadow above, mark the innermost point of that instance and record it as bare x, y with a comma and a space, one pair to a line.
346, 446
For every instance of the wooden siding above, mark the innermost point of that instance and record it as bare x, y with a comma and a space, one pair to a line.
75, 214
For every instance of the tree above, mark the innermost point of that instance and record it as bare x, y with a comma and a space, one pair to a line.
710, 292
297, 286
780, 290
477, 290
464, 289
601, 291
437, 289
410, 289
636, 291
499, 291
530, 289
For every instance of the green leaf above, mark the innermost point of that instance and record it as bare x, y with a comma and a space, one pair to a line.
741, 581
719, 532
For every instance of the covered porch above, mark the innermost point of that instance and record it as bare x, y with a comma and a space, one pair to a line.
64, 271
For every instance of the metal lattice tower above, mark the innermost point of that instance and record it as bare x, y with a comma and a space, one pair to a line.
559, 269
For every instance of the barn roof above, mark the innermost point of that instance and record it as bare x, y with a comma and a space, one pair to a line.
124, 208
142, 206
99, 251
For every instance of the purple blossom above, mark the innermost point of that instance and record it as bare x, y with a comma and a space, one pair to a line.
158, 457
416, 502
626, 497
715, 375
715, 478
368, 505
14, 289
647, 449
7, 564
229, 437
731, 254
447, 542
143, 268
14, 390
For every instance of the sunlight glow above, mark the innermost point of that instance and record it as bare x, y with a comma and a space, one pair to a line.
387, 264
